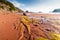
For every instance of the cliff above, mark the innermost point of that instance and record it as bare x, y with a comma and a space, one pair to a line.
7, 6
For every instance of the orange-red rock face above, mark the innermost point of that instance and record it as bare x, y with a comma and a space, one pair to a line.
7, 28
9, 22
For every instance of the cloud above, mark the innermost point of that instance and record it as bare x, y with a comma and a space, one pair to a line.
45, 7
17, 4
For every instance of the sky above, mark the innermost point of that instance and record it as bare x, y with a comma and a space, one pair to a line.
37, 5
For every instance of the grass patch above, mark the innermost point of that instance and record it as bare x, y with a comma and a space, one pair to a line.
12, 7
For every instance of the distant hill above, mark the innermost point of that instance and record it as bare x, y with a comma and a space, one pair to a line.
56, 10
8, 6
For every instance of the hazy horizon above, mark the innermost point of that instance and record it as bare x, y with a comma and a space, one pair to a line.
37, 5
